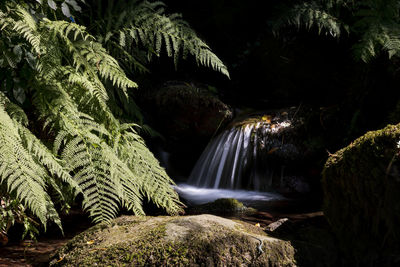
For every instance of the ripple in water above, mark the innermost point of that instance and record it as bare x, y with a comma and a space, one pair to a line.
196, 196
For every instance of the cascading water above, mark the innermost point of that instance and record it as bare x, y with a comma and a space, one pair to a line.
238, 159
234, 159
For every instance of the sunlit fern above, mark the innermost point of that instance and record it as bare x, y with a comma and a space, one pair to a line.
27, 167
91, 151
124, 27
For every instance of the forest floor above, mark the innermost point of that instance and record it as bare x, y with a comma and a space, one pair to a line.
23, 254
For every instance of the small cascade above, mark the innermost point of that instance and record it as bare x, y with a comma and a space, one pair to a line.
238, 158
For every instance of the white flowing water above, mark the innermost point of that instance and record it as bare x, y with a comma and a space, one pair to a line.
233, 163
196, 196
235, 158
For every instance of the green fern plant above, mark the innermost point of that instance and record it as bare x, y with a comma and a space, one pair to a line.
135, 31
55, 72
27, 167
373, 23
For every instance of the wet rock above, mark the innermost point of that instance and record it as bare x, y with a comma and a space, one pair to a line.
361, 186
294, 184
187, 115
203, 240
313, 240
260, 152
222, 207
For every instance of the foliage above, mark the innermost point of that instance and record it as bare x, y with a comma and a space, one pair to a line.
59, 135
373, 23
134, 31
12, 211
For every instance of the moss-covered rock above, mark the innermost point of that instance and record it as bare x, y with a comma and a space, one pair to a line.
203, 240
185, 111
223, 207
361, 185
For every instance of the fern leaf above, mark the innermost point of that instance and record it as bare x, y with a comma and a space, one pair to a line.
92, 153
146, 23
21, 172
311, 14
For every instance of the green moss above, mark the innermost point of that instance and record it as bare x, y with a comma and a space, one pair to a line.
222, 206
149, 249
144, 248
362, 195
228, 204
197, 240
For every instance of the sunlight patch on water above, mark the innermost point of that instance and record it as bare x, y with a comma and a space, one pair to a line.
196, 196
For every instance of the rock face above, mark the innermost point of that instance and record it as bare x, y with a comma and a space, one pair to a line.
187, 111
187, 115
361, 186
203, 240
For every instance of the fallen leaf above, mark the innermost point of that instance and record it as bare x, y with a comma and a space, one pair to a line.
258, 225
267, 118
26, 243
90, 242
272, 150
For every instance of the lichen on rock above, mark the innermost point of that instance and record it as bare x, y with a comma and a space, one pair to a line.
202, 240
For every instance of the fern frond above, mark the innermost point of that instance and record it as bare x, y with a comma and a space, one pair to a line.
101, 192
375, 23
154, 28
157, 185
108, 67
22, 172
89, 57
92, 153
103, 177
312, 14
376, 38
64, 28
27, 27
106, 181
13, 110
142, 22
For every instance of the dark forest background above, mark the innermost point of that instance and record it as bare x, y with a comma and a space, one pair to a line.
273, 68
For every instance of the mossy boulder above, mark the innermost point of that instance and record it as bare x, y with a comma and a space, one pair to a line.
361, 185
222, 207
184, 110
202, 240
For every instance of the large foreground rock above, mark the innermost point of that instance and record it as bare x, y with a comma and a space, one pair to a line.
203, 240
361, 186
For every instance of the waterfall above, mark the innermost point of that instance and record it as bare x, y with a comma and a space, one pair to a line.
238, 157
